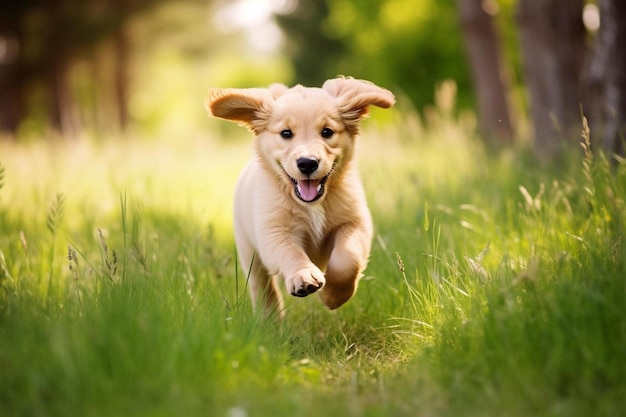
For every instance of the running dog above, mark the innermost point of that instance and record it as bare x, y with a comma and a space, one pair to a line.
300, 210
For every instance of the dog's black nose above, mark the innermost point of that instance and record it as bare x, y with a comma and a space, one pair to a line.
307, 165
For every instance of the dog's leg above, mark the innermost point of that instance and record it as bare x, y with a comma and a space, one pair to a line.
264, 292
305, 281
287, 258
348, 258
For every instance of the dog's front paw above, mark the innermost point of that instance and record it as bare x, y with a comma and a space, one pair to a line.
305, 281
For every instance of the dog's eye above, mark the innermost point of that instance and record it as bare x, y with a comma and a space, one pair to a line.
286, 134
327, 133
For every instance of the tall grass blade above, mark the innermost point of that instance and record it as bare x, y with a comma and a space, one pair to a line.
53, 222
123, 213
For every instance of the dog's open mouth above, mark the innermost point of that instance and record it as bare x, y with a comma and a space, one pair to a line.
309, 190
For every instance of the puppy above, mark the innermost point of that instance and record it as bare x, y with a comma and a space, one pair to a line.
300, 210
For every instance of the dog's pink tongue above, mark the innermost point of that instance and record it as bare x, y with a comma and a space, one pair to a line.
308, 189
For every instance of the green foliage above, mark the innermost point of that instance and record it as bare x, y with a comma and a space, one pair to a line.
396, 43
312, 51
495, 287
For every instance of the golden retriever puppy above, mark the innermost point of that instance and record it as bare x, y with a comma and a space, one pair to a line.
300, 210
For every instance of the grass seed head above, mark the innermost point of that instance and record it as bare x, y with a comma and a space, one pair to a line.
400, 263
109, 258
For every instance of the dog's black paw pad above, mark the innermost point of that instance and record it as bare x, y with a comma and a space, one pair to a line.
300, 293
311, 288
303, 292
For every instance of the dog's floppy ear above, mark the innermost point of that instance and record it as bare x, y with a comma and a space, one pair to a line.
248, 106
354, 98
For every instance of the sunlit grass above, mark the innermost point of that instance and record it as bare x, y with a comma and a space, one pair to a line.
495, 286
194, 180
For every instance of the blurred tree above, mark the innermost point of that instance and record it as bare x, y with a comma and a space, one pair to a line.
411, 49
314, 54
391, 42
567, 69
46, 36
122, 52
41, 40
11, 66
608, 75
553, 47
489, 76
394, 43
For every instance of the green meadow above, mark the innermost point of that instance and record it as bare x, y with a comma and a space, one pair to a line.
496, 284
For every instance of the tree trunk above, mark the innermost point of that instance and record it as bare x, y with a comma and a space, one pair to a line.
121, 46
552, 38
611, 68
55, 64
121, 76
12, 76
59, 96
490, 82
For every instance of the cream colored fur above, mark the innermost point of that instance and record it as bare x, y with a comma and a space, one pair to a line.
314, 240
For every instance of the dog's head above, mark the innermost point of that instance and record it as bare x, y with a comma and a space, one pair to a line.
305, 135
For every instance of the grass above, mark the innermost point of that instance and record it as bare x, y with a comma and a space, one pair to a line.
496, 286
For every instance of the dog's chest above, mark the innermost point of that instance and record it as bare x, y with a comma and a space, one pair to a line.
311, 228
317, 222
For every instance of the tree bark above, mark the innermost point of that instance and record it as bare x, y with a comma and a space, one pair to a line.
552, 38
610, 66
490, 81
122, 49
121, 77
56, 65
12, 76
